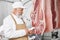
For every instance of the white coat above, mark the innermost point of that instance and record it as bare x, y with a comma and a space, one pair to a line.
9, 27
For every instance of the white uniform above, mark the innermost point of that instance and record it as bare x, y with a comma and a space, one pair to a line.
9, 27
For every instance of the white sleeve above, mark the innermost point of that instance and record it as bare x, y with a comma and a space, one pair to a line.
10, 33
1, 28
15, 34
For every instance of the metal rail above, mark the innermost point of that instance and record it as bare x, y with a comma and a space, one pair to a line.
13, 2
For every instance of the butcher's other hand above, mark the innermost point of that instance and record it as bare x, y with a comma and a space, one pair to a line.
30, 31
27, 31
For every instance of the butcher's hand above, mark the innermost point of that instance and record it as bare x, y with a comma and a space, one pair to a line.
27, 31
31, 30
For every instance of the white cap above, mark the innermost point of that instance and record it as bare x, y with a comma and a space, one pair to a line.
18, 5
